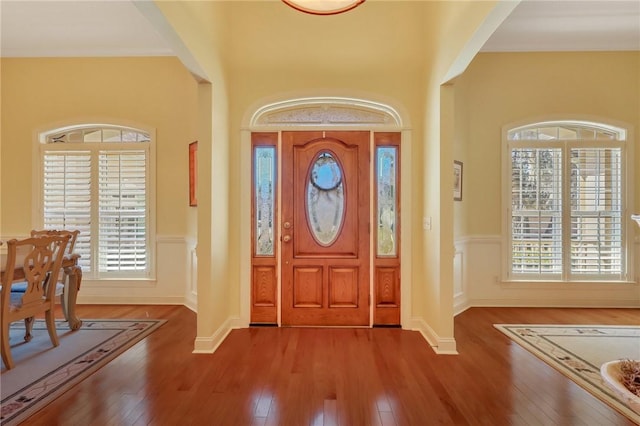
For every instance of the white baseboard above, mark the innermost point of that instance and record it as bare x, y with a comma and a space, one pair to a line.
553, 303
192, 306
130, 300
191, 303
460, 306
440, 345
208, 345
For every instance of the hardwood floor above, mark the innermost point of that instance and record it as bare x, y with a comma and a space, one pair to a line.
308, 376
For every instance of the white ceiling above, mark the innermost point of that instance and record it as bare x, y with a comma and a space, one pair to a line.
567, 25
50, 28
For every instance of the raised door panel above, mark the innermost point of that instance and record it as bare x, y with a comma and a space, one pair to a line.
307, 287
343, 288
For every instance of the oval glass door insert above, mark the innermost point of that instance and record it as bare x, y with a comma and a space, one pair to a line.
325, 199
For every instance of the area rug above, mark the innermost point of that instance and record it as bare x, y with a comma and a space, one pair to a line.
578, 351
42, 372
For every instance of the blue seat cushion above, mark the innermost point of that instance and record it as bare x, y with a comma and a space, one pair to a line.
19, 287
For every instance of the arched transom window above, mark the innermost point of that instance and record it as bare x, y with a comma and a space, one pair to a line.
565, 190
96, 178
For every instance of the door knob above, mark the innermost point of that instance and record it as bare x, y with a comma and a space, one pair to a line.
286, 238
286, 225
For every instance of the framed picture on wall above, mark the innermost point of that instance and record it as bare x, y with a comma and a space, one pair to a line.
457, 180
193, 173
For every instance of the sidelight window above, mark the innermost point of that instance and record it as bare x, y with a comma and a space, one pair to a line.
264, 202
387, 200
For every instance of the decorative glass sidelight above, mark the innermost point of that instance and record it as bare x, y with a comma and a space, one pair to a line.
386, 186
325, 199
265, 199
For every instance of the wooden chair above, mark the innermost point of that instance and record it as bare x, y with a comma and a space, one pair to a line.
48, 232
39, 261
73, 236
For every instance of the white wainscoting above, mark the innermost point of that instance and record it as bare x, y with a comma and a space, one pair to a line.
191, 290
459, 293
477, 282
170, 286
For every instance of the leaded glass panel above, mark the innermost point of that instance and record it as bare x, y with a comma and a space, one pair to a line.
325, 199
265, 199
386, 185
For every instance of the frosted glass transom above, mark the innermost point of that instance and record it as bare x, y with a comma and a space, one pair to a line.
97, 134
326, 112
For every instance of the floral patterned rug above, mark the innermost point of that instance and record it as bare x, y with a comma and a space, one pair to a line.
578, 351
42, 372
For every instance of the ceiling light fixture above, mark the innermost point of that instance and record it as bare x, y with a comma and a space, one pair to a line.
323, 7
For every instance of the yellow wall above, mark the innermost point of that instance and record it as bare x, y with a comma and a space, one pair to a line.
502, 88
40, 93
276, 52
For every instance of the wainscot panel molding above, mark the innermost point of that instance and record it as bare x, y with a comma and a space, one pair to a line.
459, 296
478, 282
478, 257
191, 289
168, 286
637, 253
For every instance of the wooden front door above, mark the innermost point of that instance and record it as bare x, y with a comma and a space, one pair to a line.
325, 228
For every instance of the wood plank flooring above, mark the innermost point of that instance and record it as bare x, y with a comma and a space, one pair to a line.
340, 376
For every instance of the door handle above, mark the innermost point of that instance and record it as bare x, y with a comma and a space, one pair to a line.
286, 238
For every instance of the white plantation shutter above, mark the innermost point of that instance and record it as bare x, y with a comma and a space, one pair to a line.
122, 211
567, 204
596, 211
96, 179
67, 197
536, 211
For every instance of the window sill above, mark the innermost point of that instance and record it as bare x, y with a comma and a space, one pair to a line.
120, 282
566, 285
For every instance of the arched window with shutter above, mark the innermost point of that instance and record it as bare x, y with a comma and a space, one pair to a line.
96, 178
564, 187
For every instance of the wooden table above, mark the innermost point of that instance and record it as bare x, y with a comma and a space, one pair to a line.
72, 281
